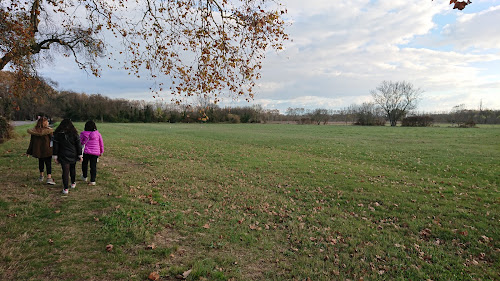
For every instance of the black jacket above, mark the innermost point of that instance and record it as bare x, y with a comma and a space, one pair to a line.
67, 147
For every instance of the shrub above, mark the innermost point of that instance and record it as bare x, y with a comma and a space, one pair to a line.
417, 121
305, 121
233, 118
6, 130
468, 124
370, 121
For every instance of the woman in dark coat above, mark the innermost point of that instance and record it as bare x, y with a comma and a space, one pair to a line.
67, 150
41, 136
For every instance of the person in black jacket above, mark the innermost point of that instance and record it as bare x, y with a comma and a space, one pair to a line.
67, 150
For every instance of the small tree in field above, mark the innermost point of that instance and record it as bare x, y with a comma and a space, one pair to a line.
396, 99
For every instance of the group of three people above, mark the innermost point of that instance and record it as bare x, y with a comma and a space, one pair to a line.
64, 145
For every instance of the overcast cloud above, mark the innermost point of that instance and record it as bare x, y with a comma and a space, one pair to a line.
340, 50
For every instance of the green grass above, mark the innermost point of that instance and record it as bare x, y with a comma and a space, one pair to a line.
260, 202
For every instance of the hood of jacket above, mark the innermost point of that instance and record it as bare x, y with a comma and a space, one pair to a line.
40, 132
85, 134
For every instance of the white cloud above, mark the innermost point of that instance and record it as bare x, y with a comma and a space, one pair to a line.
479, 30
340, 50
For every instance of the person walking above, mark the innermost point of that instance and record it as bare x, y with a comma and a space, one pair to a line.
91, 139
40, 147
67, 151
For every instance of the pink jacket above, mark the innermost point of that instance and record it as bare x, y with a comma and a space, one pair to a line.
93, 142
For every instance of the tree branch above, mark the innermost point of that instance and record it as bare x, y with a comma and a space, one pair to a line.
35, 11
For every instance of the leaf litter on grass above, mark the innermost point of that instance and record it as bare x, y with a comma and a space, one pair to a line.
235, 206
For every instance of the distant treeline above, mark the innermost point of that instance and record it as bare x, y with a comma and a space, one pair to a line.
42, 99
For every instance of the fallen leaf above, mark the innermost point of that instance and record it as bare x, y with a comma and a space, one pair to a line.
206, 226
485, 238
255, 227
154, 276
109, 247
425, 232
186, 273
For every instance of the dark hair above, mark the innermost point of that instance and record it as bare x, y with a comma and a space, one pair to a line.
90, 126
67, 127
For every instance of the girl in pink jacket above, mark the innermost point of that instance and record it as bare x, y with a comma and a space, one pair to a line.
91, 139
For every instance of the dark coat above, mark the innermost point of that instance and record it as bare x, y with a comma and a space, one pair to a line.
67, 147
40, 143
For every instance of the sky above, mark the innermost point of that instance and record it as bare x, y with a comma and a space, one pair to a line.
341, 50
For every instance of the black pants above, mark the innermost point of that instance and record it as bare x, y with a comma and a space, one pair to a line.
93, 166
68, 170
47, 162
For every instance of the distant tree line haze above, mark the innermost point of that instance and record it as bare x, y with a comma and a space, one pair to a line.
43, 99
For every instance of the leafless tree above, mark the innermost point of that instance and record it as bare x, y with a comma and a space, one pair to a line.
396, 99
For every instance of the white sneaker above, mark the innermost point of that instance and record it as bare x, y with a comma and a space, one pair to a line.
84, 178
50, 181
40, 179
92, 183
73, 185
65, 191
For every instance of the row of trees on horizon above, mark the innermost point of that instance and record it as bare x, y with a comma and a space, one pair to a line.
44, 100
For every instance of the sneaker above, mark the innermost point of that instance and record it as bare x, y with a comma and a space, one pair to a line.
84, 178
65, 191
50, 181
40, 179
92, 183
73, 185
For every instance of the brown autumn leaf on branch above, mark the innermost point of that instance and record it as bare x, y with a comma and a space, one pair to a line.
186, 47
460, 5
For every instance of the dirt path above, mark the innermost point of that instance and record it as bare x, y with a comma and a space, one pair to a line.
19, 123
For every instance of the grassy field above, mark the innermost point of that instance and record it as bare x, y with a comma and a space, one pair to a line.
260, 202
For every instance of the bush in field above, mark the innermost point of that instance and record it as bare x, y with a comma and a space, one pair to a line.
468, 124
304, 121
417, 121
233, 118
368, 114
6, 131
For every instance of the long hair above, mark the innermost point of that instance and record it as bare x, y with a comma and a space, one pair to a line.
42, 123
66, 127
90, 126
